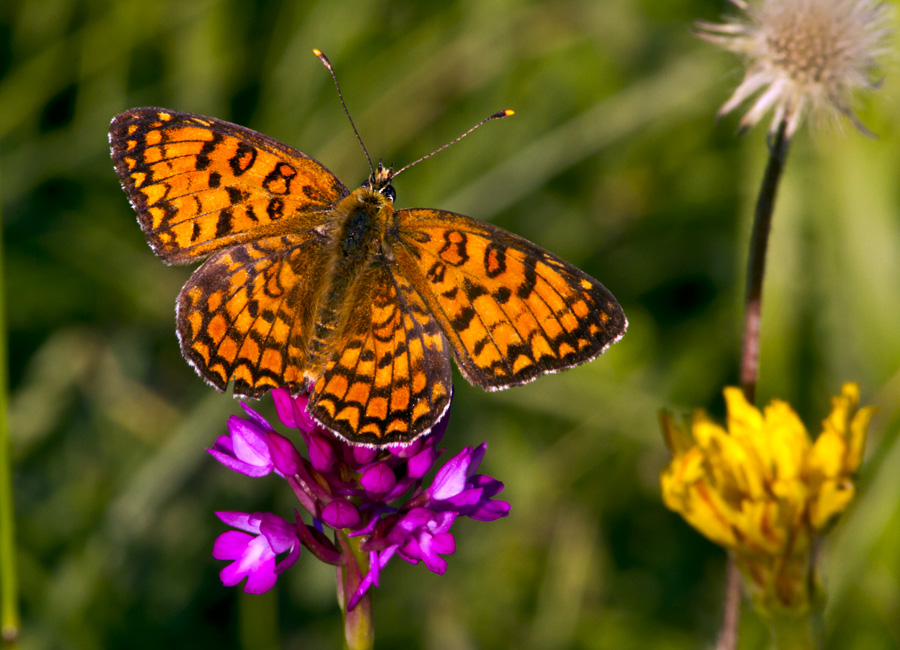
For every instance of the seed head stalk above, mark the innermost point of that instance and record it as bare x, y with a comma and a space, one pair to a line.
749, 372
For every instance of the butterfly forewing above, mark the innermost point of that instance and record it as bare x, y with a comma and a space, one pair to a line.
200, 184
510, 310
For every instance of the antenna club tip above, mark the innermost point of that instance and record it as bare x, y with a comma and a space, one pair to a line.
321, 56
499, 114
508, 112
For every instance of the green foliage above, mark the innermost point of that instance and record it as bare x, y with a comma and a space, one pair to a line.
613, 161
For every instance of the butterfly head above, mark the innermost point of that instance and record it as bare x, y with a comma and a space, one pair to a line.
380, 181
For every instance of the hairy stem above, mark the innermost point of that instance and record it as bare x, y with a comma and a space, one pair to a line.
756, 264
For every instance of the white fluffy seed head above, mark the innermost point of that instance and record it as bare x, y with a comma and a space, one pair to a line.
803, 55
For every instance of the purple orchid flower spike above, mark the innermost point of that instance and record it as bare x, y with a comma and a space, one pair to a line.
377, 502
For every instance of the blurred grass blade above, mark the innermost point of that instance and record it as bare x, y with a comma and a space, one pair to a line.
9, 599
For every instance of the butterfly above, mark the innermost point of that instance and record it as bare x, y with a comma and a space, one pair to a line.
311, 286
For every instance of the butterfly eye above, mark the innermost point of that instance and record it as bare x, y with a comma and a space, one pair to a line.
389, 192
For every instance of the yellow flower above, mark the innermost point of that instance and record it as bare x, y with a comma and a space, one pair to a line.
803, 54
763, 489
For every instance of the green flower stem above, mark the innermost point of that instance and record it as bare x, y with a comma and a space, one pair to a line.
756, 269
359, 632
793, 633
9, 599
800, 627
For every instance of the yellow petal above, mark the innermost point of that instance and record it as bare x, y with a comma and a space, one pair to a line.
838, 449
857, 443
678, 476
843, 408
686, 490
733, 461
785, 440
831, 500
704, 430
743, 417
827, 458
709, 514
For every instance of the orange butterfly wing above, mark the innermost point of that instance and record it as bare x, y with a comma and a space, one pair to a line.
510, 310
389, 379
200, 184
247, 313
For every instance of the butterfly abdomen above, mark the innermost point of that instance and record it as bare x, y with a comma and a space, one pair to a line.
356, 244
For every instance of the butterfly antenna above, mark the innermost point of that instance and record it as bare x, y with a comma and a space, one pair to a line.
495, 116
324, 59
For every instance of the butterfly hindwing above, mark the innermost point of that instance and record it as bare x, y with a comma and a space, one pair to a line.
389, 379
510, 310
247, 313
200, 184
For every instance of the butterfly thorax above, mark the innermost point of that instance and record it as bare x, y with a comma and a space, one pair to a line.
355, 248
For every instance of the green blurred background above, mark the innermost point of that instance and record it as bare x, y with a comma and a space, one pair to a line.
613, 161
